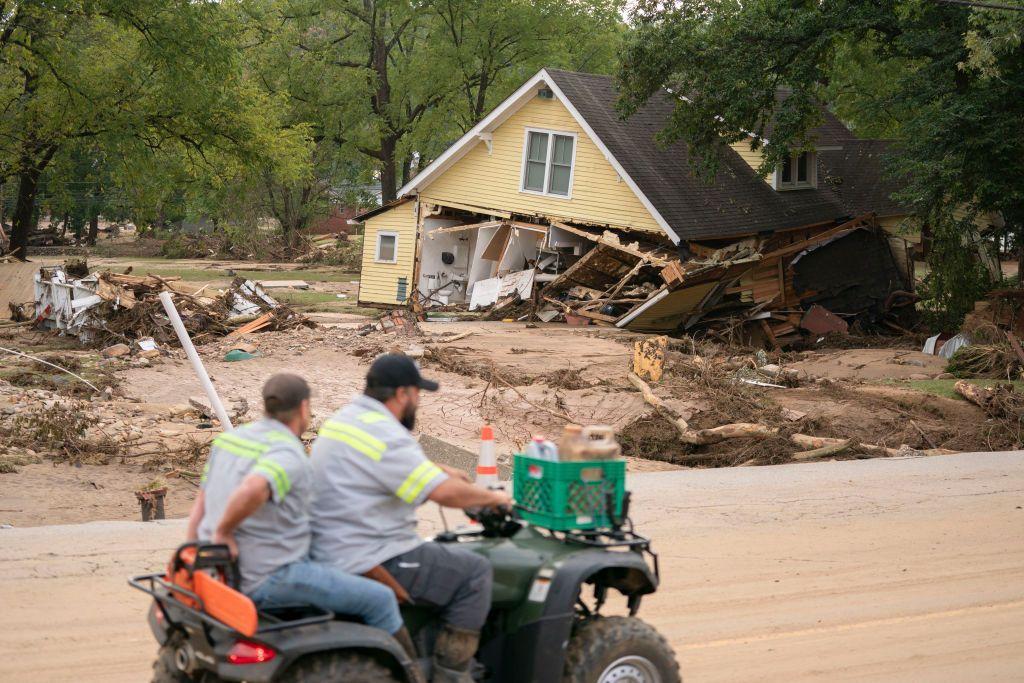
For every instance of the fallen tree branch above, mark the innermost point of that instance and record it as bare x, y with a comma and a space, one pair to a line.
499, 378
40, 360
831, 449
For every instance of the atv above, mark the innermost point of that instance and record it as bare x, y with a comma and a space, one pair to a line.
545, 623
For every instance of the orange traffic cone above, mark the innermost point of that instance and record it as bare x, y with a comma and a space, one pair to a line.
487, 466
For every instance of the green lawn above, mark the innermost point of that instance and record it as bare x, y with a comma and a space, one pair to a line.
322, 302
205, 275
944, 387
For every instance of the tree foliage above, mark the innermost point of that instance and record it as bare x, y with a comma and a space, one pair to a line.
945, 80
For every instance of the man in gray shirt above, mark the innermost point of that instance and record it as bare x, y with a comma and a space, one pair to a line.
370, 476
255, 497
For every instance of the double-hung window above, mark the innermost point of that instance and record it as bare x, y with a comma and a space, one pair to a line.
387, 247
797, 172
547, 162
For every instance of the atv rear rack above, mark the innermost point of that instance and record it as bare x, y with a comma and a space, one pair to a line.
151, 583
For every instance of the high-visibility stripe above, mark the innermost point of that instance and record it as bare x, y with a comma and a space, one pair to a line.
239, 444
372, 417
358, 433
206, 472
277, 473
233, 448
353, 442
417, 479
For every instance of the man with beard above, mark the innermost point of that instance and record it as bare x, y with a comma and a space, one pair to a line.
370, 476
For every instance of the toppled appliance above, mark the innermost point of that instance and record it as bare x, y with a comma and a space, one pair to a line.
104, 306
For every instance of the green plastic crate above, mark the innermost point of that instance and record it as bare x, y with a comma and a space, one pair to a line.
564, 496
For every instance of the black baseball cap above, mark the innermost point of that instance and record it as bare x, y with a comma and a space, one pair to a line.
397, 370
284, 391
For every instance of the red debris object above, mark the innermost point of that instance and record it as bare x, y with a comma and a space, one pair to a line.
820, 320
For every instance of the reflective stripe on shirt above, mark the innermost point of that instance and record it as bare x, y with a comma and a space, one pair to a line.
362, 441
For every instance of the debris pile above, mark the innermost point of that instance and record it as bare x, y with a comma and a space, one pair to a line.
772, 290
112, 307
988, 343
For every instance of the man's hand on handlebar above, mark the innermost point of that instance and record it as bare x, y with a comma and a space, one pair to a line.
500, 500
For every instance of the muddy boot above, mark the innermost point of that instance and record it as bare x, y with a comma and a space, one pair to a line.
453, 655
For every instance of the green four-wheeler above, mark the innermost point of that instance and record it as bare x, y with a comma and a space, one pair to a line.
545, 623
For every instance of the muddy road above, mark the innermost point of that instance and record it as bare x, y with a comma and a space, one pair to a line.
887, 569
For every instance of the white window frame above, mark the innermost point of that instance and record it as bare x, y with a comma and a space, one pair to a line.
376, 249
794, 184
547, 162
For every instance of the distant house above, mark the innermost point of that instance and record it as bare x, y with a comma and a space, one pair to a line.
553, 166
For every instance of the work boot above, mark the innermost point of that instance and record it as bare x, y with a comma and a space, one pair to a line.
453, 655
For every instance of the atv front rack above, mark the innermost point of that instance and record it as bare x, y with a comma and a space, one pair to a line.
151, 584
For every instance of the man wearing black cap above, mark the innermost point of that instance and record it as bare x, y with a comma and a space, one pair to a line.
255, 497
371, 475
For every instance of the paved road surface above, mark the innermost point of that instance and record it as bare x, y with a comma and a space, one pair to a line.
887, 570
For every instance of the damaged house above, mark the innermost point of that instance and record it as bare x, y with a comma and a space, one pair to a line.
553, 206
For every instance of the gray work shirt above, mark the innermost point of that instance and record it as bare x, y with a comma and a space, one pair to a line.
278, 533
370, 475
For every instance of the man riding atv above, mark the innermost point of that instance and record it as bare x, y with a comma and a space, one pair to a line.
371, 475
255, 498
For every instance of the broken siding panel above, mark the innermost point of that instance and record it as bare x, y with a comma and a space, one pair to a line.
493, 179
379, 282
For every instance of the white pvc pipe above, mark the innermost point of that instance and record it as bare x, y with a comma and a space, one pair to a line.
197, 363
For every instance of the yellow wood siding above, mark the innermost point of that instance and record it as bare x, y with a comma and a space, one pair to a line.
907, 227
753, 157
493, 180
378, 282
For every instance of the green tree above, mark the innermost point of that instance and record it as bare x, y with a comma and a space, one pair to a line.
131, 78
894, 67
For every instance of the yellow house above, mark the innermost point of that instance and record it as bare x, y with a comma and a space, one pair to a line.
553, 165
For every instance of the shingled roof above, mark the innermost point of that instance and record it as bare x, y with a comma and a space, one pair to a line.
738, 202
856, 173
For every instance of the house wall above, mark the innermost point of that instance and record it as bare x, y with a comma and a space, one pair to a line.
492, 180
379, 282
753, 157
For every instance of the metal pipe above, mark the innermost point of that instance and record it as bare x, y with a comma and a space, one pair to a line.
197, 363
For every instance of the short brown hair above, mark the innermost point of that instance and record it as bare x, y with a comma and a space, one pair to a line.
283, 394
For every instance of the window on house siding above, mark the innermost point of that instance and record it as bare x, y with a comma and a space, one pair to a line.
387, 247
797, 172
547, 163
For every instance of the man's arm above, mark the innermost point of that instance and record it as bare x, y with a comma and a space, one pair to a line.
249, 497
195, 516
455, 493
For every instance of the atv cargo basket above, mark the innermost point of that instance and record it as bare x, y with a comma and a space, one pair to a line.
563, 496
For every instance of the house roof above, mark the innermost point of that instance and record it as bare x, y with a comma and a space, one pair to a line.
856, 173
737, 202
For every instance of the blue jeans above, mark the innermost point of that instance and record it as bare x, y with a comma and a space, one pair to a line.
321, 585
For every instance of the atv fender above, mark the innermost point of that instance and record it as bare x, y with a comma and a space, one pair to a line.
539, 646
294, 643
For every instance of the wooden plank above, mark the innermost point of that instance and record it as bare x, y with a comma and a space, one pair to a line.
600, 239
462, 228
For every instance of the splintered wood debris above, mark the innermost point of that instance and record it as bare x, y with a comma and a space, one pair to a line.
771, 289
106, 306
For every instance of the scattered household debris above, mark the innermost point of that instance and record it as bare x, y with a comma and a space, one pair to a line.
106, 306
772, 290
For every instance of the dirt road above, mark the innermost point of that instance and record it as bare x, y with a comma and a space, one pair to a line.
888, 569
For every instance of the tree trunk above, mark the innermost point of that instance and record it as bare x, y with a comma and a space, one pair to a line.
389, 169
64, 225
24, 209
94, 228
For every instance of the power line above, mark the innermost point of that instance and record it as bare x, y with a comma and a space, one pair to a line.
983, 5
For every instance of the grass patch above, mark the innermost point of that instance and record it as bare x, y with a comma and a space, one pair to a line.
320, 302
211, 274
944, 387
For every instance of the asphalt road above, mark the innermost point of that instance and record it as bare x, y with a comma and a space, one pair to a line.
887, 570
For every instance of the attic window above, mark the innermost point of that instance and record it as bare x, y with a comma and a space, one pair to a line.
797, 172
548, 159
